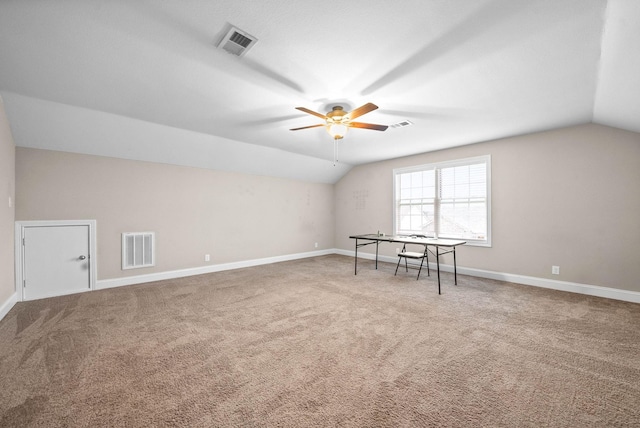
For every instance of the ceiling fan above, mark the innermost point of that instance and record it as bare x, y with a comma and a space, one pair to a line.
337, 121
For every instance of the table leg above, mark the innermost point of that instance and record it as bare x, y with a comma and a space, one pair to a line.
438, 265
455, 270
356, 271
377, 243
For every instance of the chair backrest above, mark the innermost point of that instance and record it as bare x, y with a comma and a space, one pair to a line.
423, 248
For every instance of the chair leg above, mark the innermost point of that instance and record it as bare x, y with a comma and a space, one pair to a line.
420, 270
399, 258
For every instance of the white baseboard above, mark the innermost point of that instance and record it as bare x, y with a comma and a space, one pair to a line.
139, 279
573, 287
6, 306
591, 290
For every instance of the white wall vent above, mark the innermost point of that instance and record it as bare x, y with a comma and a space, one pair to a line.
402, 124
237, 42
138, 250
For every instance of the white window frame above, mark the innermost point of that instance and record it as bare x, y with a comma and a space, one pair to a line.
486, 159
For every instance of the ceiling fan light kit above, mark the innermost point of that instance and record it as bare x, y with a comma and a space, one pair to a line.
337, 122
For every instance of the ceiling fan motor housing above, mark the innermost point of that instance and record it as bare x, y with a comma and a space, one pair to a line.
337, 113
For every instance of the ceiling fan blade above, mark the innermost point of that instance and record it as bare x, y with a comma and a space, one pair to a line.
307, 127
306, 110
368, 126
361, 110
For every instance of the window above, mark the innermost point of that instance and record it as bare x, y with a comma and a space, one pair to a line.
446, 199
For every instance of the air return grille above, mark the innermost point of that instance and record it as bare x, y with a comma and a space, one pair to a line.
138, 250
237, 42
402, 124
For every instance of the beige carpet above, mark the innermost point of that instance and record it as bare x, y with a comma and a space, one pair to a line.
307, 343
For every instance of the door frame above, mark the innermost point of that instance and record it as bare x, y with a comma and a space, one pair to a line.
19, 249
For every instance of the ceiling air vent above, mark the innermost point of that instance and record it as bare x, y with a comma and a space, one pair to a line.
402, 124
237, 42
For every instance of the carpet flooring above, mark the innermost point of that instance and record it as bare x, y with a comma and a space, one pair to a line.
307, 343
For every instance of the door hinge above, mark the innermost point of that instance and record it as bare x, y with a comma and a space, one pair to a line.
24, 283
23, 242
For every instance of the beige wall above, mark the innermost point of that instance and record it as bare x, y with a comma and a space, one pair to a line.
569, 197
233, 217
7, 190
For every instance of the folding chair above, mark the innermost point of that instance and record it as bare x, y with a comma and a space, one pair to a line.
404, 254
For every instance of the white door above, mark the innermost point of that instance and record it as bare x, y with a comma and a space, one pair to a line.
55, 261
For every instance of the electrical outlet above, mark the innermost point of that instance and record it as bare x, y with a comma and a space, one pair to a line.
397, 250
207, 258
316, 245
555, 270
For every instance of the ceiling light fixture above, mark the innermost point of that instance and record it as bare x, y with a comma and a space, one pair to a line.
337, 130
337, 120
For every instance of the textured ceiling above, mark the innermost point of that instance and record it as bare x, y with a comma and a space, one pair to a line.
463, 71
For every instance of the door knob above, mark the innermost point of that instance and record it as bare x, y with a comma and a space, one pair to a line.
82, 257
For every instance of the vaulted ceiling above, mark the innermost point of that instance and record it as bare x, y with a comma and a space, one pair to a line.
146, 80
